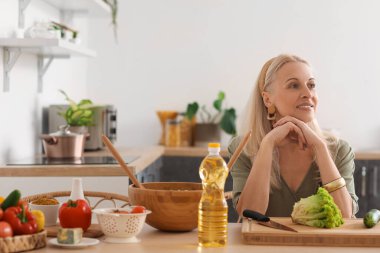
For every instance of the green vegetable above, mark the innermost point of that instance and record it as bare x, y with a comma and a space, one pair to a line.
371, 218
11, 200
318, 210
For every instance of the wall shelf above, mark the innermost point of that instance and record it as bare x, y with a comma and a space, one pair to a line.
94, 8
45, 49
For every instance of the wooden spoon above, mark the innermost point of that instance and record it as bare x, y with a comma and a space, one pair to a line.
239, 150
120, 160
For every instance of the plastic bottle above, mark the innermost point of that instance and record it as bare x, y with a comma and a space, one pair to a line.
213, 210
76, 189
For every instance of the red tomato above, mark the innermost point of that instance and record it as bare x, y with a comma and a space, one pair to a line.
5, 229
138, 209
1, 213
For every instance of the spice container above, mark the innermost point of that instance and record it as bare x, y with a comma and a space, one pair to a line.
187, 127
173, 133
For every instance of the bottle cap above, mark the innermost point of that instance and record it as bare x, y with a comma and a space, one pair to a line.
76, 189
214, 145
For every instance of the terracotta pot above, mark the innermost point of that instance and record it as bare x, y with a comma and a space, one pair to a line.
205, 133
63, 144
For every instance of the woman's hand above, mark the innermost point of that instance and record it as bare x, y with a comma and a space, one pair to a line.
287, 132
311, 138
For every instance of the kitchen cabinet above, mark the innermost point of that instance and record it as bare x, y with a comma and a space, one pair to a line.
47, 50
367, 179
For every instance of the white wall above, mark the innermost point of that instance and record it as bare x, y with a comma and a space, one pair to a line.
172, 52
21, 108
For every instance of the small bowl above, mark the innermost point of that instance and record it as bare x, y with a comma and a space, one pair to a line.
50, 212
120, 227
174, 205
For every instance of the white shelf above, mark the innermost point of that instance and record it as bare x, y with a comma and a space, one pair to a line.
96, 8
47, 50
46, 47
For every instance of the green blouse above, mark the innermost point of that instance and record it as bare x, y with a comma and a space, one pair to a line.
281, 200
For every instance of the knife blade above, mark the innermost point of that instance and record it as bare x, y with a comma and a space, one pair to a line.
265, 220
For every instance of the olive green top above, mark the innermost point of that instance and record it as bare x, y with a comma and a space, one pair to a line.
281, 200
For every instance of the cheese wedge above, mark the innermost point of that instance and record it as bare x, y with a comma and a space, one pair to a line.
69, 235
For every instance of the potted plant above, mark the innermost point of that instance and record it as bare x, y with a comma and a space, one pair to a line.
78, 115
209, 129
114, 9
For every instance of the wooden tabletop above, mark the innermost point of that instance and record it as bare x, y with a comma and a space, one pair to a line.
153, 240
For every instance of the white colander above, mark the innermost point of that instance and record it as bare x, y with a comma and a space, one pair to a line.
120, 227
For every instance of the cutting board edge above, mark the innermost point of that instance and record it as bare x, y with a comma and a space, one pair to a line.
311, 240
252, 234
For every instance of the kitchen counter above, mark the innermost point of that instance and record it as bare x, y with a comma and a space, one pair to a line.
367, 155
147, 156
153, 240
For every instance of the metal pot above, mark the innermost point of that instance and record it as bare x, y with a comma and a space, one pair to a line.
63, 144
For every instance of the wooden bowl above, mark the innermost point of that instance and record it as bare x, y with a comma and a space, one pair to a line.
174, 205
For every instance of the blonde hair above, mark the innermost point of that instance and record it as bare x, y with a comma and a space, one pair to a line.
256, 116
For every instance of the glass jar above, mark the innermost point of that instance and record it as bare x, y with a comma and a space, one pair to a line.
173, 133
187, 132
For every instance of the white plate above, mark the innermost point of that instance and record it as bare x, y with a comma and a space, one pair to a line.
85, 242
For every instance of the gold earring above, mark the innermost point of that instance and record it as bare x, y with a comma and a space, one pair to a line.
271, 113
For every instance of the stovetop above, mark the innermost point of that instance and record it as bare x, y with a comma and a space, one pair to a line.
70, 161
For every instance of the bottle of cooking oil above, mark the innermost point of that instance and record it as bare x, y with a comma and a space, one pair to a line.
212, 214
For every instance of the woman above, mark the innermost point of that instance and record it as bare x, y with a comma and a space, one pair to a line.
288, 157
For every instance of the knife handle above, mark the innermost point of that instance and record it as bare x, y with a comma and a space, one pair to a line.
255, 215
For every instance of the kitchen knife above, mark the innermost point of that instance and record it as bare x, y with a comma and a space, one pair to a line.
265, 220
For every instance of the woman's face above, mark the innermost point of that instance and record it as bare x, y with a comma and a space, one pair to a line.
292, 92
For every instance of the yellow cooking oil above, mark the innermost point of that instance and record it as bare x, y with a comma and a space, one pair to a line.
213, 210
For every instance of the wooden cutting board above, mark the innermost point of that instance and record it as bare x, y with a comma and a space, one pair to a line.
94, 231
351, 234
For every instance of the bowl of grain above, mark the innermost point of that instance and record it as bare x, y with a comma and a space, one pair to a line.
49, 206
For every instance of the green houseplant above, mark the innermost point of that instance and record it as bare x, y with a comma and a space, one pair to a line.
212, 121
224, 117
77, 114
114, 9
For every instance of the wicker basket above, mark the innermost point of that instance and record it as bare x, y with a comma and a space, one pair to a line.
23, 242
